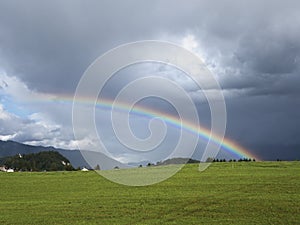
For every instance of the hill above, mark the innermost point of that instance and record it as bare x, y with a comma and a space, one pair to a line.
12, 148
41, 161
178, 161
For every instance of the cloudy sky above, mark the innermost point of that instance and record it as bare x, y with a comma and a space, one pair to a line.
251, 47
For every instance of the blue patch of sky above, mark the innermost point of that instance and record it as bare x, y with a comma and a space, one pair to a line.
13, 107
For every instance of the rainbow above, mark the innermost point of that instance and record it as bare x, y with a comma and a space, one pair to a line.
226, 144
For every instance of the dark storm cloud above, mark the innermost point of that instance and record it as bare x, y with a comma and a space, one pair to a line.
252, 47
43, 42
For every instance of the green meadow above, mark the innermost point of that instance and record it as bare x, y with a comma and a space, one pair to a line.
225, 193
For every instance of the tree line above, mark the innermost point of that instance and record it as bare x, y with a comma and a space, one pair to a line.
230, 160
41, 161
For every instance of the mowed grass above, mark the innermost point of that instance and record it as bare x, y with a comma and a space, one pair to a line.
225, 193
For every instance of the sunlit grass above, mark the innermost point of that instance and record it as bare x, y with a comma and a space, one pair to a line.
225, 193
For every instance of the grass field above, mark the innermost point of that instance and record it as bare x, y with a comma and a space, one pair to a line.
225, 193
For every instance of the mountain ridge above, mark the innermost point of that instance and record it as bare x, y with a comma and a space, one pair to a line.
11, 148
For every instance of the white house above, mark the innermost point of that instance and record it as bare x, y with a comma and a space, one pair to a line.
84, 169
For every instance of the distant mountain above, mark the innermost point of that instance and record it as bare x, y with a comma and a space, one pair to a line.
12, 148
77, 158
41, 161
178, 161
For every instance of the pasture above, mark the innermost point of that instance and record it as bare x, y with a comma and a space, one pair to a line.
225, 193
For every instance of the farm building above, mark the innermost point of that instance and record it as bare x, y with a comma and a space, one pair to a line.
84, 169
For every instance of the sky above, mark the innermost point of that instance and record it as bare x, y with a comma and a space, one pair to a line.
251, 47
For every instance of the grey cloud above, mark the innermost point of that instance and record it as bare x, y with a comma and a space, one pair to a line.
43, 42
265, 53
